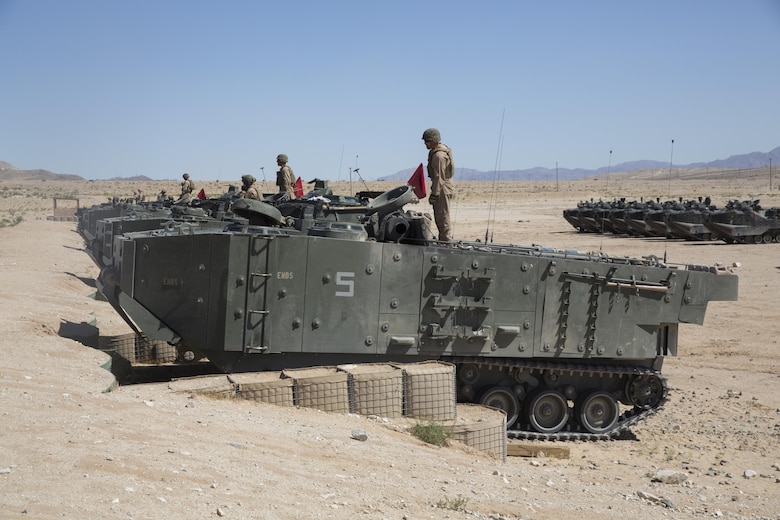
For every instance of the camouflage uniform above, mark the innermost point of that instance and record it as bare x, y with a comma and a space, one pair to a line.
248, 190
285, 178
187, 187
440, 169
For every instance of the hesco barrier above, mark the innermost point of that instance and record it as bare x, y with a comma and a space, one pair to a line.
481, 427
424, 391
376, 389
323, 388
429, 390
266, 387
138, 349
123, 345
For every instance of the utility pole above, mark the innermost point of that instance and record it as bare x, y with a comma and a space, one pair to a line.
770, 174
671, 162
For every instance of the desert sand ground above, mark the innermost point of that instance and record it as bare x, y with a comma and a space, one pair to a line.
69, 449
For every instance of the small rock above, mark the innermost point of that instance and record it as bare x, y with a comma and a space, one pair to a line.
648, 496
749, 473
658, 500
220, 512
670, 476
359, 435
5, 471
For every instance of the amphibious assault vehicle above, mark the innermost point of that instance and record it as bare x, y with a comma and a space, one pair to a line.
570, 344
738, 222
671, 219
745, 222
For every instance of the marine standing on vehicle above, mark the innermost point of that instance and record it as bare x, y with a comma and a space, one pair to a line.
440, 169
285, 178
187, 187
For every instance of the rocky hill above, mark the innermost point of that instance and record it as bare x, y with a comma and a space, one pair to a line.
11, 172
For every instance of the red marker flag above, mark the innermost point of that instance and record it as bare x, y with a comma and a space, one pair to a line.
417, 181
298, 188
202, 194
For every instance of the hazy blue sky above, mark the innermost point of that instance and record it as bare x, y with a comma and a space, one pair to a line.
103, 88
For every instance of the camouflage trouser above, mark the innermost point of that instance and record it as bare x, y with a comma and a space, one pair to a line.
184, 200
441, 214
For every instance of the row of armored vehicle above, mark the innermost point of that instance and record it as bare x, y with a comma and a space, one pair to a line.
569, 344
101, 224
699, 219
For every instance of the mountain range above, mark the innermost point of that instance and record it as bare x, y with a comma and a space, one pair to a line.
735, 162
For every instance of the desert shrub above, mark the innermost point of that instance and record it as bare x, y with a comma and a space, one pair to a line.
453, 504
432, 433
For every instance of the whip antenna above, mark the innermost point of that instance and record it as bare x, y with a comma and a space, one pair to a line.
494, 188
671, 160
667, 214
350, 174
356, 170
606, 212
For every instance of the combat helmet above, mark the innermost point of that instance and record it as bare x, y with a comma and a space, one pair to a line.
432, 134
